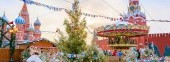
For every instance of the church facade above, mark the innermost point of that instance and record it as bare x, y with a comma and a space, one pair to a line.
26, 32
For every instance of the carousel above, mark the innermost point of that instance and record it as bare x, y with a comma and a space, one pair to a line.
121, 33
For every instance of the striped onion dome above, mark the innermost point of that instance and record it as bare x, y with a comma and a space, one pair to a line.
37, 23
4, 17
31, 28
19, 20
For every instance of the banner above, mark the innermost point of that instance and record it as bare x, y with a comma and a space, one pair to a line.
84, 14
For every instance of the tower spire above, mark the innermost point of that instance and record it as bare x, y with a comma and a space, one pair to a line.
24, 8
95, 35
24, 14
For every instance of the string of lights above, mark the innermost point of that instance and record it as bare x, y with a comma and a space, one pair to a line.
111, 7
154, 20
86, 8
85, 14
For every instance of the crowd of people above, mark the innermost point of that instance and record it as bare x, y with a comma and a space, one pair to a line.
33, 54
116, 53
134, 55
41, 55
44, 57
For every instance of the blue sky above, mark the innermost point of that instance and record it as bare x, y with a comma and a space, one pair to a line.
158, 9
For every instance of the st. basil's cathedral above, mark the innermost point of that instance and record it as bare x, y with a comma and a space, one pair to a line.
26, 32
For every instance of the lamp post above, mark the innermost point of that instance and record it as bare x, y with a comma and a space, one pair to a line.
3, 22
12, 43
1, 30
13, 30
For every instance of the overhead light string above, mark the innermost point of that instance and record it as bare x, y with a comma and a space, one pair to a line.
84, 14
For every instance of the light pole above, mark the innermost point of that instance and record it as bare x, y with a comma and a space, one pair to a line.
12, 43
2, 30
13, 30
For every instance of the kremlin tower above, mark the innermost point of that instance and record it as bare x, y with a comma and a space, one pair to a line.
134, 15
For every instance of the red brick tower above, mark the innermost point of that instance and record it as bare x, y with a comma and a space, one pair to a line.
25, 16
135, 15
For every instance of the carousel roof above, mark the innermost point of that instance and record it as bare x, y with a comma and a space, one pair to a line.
124, 28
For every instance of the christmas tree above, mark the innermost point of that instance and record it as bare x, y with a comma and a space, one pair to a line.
74, 42
94, 54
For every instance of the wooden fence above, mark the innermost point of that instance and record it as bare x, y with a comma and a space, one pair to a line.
5, 55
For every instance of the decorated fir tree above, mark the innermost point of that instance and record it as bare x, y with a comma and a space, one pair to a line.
94, 54
74, 42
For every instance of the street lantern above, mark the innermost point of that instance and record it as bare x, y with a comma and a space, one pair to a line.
12, 42
13, 30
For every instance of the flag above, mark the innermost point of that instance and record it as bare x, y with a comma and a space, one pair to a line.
11, 22
24, 1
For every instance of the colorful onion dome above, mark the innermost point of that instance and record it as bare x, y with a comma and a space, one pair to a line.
31, 28
37, 32
19, 20
4, 17
37, 23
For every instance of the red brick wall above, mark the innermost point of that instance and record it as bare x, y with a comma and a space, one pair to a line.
160, 40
